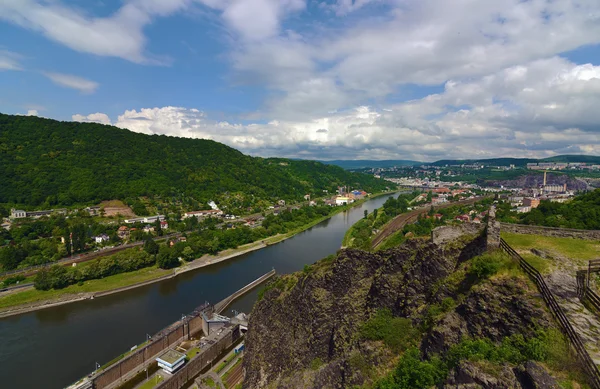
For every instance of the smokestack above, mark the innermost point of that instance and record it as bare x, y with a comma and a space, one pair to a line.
545, 177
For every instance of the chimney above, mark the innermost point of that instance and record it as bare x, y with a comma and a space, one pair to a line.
545, 177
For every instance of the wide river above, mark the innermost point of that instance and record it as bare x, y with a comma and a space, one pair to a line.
54, 347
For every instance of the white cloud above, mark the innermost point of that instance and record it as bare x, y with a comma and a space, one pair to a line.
74, 82
9, 60
31, 112
505, 113
97, 117
119, 35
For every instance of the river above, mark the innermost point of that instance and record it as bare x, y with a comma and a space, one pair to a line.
54, 347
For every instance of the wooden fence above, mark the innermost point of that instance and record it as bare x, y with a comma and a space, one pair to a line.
565, 325
584, 292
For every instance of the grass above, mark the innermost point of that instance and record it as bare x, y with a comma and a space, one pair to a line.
192, 353
226, 375
577, 249
104, 284
152, 382
225, 363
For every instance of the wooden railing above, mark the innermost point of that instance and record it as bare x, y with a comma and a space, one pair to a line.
565, 325
584, 292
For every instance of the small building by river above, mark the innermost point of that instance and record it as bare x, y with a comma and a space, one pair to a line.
170, 361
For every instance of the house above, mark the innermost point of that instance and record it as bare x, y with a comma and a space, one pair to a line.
102, 238
123, 232
164, 225
532, 202
438, 216
463, 218
200, 214
476, 220
17, 214
146, 219
281, 203
92, 211
148, 228
342, 200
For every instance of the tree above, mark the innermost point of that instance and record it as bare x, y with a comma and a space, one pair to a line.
151, 247
366, 213
158, 227
188, 253
375, 214
42, 280
166, 259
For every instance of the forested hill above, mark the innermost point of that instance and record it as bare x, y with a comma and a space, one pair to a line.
47, 162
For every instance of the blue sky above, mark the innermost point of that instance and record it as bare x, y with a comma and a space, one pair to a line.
336, 79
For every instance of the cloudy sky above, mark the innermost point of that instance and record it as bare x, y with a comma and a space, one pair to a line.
320, 79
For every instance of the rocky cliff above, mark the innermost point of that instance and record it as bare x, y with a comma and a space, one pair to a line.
309, 329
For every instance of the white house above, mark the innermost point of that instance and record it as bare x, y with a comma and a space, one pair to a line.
102, 238
342, 200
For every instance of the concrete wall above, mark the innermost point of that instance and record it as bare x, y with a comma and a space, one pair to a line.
162, 341
551, 231
201, 361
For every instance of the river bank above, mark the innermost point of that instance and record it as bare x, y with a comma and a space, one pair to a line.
34, 300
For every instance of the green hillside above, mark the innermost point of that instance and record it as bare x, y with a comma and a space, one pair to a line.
47, 163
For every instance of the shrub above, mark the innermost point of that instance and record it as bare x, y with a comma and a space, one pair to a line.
413, 373
396, 332
486, 265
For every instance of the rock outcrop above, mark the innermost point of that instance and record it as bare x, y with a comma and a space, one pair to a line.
303, 333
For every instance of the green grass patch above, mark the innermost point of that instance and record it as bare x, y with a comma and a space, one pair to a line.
210, 382
394, 240
396, 332
104, 284
192, 353
225, 363
577, 249
540, 264
491, 263
152, 382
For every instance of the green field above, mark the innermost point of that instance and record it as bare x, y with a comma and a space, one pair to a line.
578, 250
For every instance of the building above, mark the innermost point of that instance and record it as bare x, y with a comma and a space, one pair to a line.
146, 219
17, 214
531, 202
463, 218
164, 225
170, 361
523, 209
102, 238
123, 232
200, 214
342, 200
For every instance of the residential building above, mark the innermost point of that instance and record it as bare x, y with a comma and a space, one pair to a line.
342, 200
164, 225
532, 202
205, 213
123, 232
102, 238
146, 219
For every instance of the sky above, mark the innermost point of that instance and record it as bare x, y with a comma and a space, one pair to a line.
316, 79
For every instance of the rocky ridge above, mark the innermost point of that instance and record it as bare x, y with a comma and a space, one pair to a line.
305, 331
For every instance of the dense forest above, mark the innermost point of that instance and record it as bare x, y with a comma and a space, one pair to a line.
46, 163
582, 212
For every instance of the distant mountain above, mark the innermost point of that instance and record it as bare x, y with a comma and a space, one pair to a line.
519, 161
360, 164
46, 163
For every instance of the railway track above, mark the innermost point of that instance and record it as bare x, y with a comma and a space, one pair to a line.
410, 217
235, 376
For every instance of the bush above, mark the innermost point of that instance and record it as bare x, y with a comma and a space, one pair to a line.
396, 332
413, 373
486, 265
13, 280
